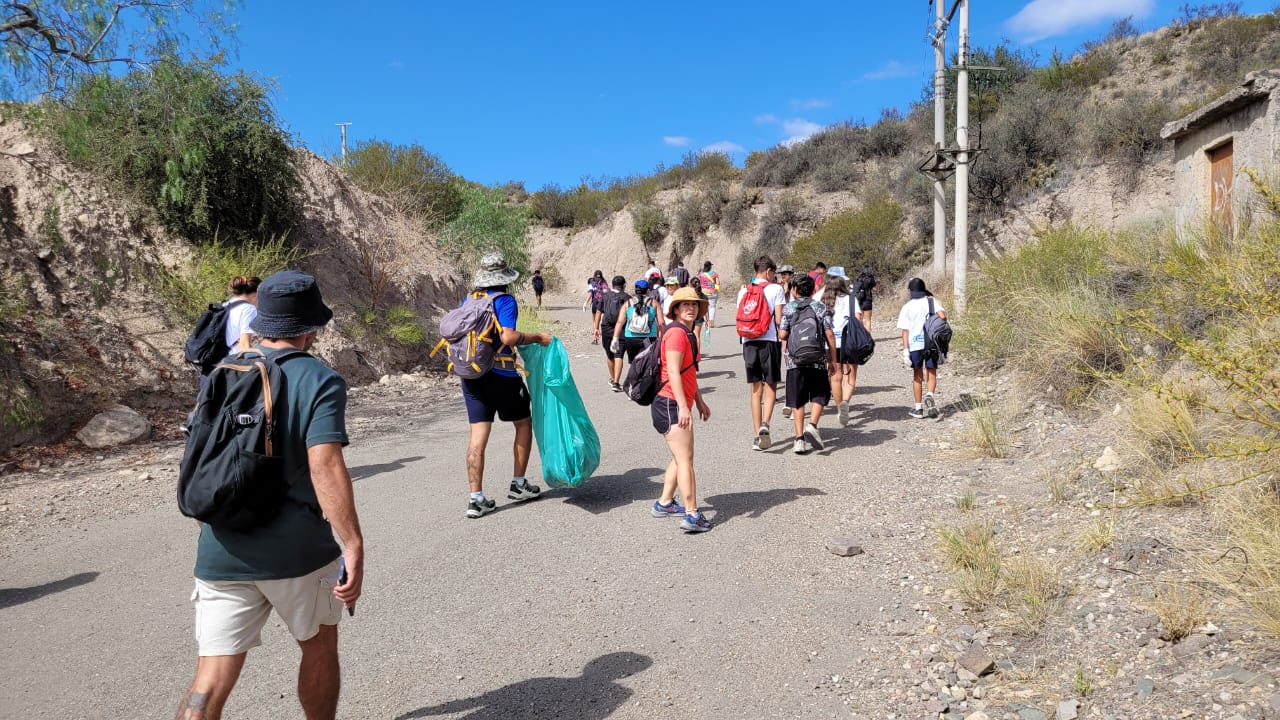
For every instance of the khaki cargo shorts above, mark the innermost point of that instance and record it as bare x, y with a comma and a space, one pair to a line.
230, 614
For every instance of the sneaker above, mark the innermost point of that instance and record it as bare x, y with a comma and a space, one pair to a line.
763, 441
799, 447
617, 387
844, 414
916, 413
930, 407
675, 509
523, 491
480, 508
812, 437
695, 523
786, 413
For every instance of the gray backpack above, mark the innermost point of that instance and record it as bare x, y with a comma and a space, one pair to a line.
937, 336
471, 334
807, 339
642, 318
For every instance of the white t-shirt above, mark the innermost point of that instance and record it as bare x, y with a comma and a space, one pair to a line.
846, 307
238, 320
773, 297
911, 318
666, 302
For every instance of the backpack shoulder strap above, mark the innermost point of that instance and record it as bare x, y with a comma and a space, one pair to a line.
930, 306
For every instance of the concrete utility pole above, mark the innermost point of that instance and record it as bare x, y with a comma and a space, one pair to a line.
962, 160
939, 139
344, 139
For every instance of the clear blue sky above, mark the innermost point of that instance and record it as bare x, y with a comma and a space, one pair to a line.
551, 92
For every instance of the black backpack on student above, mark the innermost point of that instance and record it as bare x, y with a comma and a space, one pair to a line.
642, 384
937, 336
232, 475
866, 283
856, 344
610, 308
207, 343
806, 339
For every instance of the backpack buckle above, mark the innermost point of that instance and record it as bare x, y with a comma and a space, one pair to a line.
245, 420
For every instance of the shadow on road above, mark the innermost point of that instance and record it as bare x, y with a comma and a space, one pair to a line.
16, 596
731, 374
367, 471
753, 503
591, 696
873, 389
601, 494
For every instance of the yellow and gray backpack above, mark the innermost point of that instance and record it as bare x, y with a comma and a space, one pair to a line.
472, 335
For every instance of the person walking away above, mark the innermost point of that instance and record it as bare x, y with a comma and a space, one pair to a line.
863, 292
700, 327
539, 286
672, 411
596, 288
669, 287
843, 308
759, 313
242, 308
811, 361
653, 270
681, 274
499, 392
640, 325
924, 369
290, 564
710, 280
785, 274
611, 308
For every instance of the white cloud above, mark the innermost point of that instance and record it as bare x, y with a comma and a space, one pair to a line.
890, 70
810, 104
675, 140
1041, 19
767, 119
724, 146
798, 130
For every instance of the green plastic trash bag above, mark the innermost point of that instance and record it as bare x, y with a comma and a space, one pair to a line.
567, 441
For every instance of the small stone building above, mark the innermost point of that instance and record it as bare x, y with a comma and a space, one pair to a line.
1213, 145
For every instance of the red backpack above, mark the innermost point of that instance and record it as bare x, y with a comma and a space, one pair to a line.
754, 313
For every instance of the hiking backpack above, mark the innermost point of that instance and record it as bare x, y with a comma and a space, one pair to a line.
937, 336
863, 292
471, 334
539, 284
232, 475
207, 343
611, 307
642, 318
856, 344
806, 341
754, 313
710, 283
643, 377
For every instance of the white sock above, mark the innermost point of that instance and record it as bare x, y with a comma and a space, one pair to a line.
919, 406
519, 481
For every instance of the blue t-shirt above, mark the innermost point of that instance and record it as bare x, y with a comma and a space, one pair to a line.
507, 312
298, 540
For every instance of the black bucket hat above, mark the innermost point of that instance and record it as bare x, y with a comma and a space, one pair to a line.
289, 306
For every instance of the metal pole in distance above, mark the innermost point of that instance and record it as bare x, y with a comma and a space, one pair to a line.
939, 140
344, 139
962, 160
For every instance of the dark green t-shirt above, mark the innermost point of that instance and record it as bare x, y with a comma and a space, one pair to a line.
299, 540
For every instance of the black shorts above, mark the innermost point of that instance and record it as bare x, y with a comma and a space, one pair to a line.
665, 413
807, 385
491, 394
633, 345
866, 306
608, 350
595, 306
764, 361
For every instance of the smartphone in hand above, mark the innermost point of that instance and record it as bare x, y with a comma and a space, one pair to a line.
342, 580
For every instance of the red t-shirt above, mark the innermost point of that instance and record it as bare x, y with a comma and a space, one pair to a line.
678, 341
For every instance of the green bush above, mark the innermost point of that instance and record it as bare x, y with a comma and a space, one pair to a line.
204, 150
488, 223
551, 205
1127, 131
1230, 46
736, 217
1032, 131
651, 224
1078, 74
854, 238
415, 181
203, 280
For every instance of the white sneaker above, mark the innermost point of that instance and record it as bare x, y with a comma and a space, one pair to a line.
930, 407
844, 413
811, 436
763, 441
799, 447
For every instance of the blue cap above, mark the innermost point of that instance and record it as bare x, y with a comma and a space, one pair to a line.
642, 284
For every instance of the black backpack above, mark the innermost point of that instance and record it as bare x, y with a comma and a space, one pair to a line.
937, 336
232, 475
856, 344
538, 283
863, 292
643, 383
806, 340
207, 343
611, 307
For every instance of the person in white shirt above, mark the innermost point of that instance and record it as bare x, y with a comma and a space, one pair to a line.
843, 308
924, 369
666, 291
763, 354
242, 308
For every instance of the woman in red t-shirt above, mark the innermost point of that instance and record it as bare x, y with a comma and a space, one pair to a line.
672, 409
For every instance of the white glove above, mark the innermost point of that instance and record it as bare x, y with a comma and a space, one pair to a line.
615, 347
906, 357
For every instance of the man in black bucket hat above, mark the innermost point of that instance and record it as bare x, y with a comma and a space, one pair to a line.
291, 564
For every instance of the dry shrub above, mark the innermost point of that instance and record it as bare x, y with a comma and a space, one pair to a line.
1248, 572
1181, 608
1098, 534
1030, 589
1022, 587
990, 431
971, 553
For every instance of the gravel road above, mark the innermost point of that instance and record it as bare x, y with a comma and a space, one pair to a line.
578, 605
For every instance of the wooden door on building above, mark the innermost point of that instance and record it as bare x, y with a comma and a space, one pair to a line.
1221, 173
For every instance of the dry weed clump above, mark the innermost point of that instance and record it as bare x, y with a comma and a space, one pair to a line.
1181, 608
1098, 534
1248, 572
990, 432
1024, 587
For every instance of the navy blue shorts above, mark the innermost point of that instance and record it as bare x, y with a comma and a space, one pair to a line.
665, 413
918, 360
493, 394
